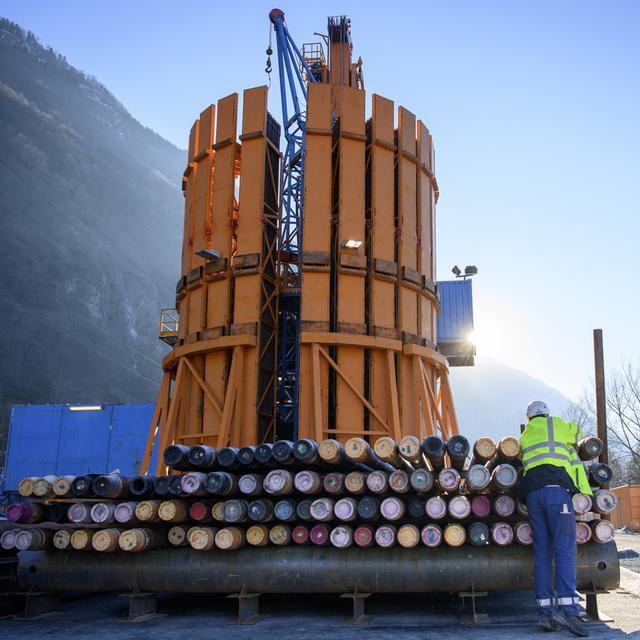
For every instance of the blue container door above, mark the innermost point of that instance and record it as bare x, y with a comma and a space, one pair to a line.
129, 431
84, 441
32, 449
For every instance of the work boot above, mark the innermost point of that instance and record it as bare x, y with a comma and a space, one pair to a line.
573, 623
546, 622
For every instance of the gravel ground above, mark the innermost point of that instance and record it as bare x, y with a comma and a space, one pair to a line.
629, 550
631, 563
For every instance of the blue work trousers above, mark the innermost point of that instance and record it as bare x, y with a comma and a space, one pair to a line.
553, 525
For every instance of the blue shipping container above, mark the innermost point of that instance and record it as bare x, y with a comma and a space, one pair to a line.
57, 440
455, 322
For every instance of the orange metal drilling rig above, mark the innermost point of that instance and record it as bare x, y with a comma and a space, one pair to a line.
307, 303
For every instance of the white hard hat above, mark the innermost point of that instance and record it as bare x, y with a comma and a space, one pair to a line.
537, 408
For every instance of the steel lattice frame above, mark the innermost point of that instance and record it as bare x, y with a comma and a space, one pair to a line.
291, 65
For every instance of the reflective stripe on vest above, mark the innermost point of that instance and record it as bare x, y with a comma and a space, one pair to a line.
546, 443
540, 456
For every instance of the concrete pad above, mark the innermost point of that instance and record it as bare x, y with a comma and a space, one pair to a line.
406, 617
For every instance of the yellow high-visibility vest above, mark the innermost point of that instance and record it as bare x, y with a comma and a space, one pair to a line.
553, 441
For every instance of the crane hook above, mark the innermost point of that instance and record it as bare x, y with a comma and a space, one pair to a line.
268, 67
269, 52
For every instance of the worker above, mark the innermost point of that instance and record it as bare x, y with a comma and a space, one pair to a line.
552, 473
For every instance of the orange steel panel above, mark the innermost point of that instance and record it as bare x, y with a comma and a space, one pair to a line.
382, 181
407, 220
250, 223
339, 74
187, 243
218, 291
340, 63
433, 200
382, 236
316, 230
247, 295
190, 306
317, 183
183, 313
207, 126
201, 202
426, 309
407, 259
382, 245
203, 176
193, 418
351, 226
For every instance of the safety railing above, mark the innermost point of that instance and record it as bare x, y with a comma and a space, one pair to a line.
169, 323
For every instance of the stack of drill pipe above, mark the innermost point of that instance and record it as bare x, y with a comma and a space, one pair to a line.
407, 493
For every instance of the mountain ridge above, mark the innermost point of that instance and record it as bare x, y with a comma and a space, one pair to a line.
91, 214
495, 395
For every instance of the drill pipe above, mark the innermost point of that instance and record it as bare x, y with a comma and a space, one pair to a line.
294, 569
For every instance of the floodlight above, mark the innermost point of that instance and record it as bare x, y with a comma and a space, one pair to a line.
208, 254
456, 270
470, 270
352, 244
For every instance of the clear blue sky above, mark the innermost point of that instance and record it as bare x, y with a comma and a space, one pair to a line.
533, 106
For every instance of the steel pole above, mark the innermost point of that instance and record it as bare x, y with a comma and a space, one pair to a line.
601, 397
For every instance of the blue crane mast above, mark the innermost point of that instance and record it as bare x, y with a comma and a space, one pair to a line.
293, 73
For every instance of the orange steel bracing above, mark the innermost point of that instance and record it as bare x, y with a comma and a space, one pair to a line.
369, 363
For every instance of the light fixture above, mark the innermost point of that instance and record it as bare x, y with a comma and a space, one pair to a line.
352, 244
86, 407
208, 254
469, 270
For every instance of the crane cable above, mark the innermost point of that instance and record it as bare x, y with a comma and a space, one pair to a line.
269, 52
